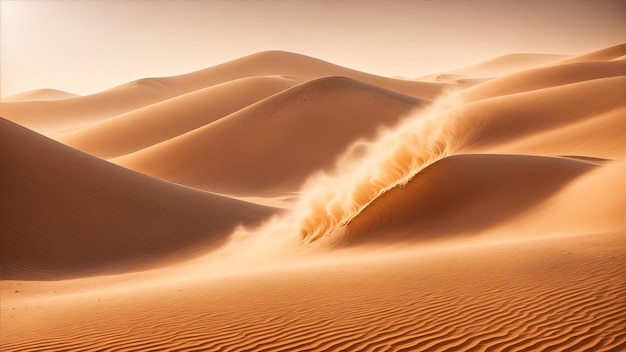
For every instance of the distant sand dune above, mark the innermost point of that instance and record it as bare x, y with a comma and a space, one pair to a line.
65, 213
610, 53
159, 122
434, 134
508, 63
272, 147
39, 95
50, 117
546, 77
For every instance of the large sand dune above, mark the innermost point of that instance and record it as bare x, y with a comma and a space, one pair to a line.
480, 209
65, 213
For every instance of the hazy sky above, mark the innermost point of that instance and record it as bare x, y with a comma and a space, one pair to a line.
87, 46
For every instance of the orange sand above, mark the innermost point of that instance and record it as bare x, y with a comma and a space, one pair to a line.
282, 203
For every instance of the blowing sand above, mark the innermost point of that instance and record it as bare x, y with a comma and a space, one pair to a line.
282, 203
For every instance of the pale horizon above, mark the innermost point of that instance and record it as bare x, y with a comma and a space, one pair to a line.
86, 47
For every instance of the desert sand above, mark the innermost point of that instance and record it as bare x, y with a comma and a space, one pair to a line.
278, 202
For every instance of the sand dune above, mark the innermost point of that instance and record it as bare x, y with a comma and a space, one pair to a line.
272, 147
285, 63
598, 136
447, 128
507, 64
56, 116
611, 53
464, 195
546, 77
50, 117
39, 95
492, 218
65, 213
504, 119
158, 122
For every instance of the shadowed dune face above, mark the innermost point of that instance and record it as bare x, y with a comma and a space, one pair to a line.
67, 214
273, 146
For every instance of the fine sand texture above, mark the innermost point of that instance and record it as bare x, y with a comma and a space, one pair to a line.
278, 202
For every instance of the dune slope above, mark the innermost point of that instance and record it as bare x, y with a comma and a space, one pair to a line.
64, 213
